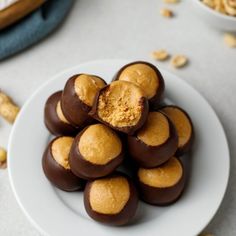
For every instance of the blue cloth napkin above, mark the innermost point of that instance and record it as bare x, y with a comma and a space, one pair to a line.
33, 27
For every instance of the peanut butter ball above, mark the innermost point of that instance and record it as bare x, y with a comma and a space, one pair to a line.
54, 118
122, 106
147, 77
78, 97
162, 185
56, 165
155, 142
111, 200
96, 152
183, 125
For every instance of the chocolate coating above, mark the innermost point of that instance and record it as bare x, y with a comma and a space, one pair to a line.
186, 148
75, 110
87, 170
124, 216
126, 129
130, 166
62, 178
186, 161
161, 104
157, 98
151, 156
162, 196
51, 119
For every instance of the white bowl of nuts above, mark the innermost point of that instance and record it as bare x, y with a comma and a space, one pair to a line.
220, 14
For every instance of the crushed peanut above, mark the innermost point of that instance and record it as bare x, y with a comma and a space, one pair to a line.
179, 61
160, 55
227, 7
166, 13
230, 40
119, 105
171, 1
8, 110
3, 158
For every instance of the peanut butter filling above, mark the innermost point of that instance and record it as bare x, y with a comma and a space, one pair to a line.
99, 144
61, 149
182, 124
156, 130
110, 195
60, 113
86, 87
143, 76
167, 175
119, 105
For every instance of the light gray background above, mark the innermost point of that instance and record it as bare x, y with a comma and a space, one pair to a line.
103, 29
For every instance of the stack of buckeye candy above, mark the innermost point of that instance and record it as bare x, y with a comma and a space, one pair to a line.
118, 142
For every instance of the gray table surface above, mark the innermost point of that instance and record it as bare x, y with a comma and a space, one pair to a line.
127, 29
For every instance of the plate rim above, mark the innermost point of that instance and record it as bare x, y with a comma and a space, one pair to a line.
54, 77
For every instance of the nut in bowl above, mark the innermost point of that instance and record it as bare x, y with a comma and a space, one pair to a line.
219, 18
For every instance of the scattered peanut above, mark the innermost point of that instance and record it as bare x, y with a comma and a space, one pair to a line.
166, 13
8, 110
160, 55
4, 98
3, 155
179, 61
3, 158
230, 40
171, 1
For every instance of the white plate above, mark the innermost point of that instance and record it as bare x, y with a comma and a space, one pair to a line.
58, 213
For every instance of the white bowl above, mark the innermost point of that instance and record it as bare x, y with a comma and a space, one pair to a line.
214, 18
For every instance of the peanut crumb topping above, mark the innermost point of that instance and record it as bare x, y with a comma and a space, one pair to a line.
120, 104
